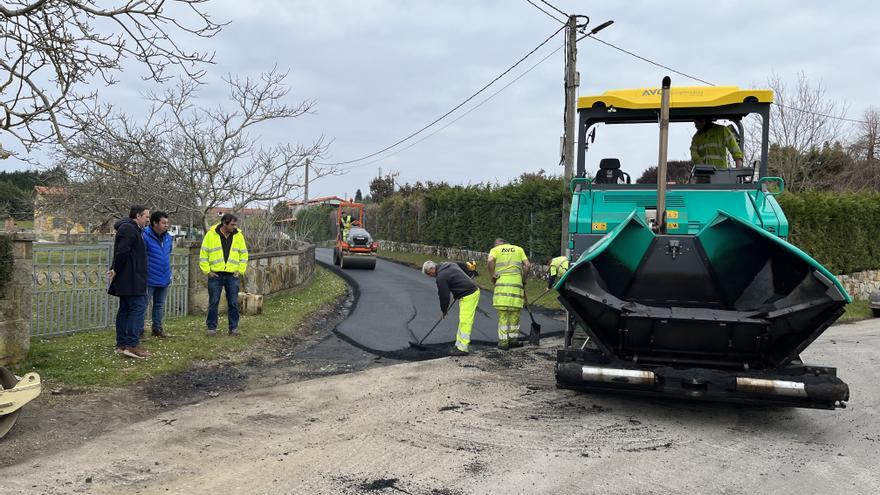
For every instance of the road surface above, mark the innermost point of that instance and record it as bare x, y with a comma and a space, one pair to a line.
398, 304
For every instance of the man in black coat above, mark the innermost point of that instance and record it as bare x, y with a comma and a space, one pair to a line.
128, 281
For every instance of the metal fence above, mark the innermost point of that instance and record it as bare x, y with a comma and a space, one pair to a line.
70, 289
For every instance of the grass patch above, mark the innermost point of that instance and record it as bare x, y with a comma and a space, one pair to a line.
534, 287
857, 310
88, 359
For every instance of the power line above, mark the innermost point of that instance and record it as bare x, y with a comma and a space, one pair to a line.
545, 2
646, 59
819, 114
478, 105
544, 11
493, 81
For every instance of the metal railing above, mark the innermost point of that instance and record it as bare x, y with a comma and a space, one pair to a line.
70, 289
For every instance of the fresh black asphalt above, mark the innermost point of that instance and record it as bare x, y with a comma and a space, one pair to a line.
396, 304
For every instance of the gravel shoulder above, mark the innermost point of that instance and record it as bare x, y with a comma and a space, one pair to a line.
492, 422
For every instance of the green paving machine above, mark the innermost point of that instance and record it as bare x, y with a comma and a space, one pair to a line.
691, 290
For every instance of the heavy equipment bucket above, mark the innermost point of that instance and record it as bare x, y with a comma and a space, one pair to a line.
723, 314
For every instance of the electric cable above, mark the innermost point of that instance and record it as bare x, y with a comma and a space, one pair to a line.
478, 105
493, 81
544, 11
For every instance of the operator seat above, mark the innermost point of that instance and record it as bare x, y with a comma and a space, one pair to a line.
610, 173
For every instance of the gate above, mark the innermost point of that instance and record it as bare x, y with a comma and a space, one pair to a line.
70, 289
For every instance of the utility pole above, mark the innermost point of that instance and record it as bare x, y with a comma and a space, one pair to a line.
570, 112
572, 81
306, 193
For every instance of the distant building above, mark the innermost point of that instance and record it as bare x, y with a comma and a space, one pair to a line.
214, 214
51, 217
295, 205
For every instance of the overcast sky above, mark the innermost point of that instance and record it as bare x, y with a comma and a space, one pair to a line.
381, 69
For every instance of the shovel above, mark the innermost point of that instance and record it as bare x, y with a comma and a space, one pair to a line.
535, 333
418, 345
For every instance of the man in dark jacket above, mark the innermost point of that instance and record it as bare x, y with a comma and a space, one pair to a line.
159, 246
451, 279
128, 281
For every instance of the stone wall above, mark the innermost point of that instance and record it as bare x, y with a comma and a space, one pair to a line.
860, 285
267, 274
15, 303
457, 254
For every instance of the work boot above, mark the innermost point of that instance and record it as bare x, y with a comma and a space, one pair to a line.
503, 345
513, 343
136, 352
455, 351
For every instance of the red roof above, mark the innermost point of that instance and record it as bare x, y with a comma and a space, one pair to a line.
245, 212
324, 199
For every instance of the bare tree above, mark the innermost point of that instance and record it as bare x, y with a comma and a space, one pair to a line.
194, 159
803, 121
52, 49
867, 143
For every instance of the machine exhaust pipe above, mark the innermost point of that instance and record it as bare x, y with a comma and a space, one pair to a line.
660, 225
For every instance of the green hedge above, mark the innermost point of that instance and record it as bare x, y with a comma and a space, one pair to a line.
840, 230
526, 212
315, 224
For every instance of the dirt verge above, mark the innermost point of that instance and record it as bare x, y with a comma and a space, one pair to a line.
63, 418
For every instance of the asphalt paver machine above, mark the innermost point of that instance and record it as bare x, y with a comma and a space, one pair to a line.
355, 247
691, 290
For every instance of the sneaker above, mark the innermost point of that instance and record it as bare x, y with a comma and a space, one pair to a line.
455, 351
119, 349
211, 332
234, 333
513, 343
135, 352
503, 345
160, 333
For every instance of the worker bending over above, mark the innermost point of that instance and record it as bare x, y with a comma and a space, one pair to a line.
710, 145
509, 270
451, 279
558, 267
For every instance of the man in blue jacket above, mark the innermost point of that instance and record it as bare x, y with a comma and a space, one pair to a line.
159, 246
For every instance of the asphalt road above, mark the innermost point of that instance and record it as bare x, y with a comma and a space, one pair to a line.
398, 304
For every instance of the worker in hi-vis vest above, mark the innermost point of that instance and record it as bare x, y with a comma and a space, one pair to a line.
558, 267
710, 145
345, 222
223, 258
509, 270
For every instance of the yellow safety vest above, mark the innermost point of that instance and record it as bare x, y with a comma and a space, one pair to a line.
211, 254
509, 290
558, 266
710, 147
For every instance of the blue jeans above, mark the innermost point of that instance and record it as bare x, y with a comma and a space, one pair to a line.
215, 284
158, 296
130, 320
